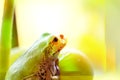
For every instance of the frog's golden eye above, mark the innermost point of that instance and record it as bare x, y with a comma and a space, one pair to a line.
55, 39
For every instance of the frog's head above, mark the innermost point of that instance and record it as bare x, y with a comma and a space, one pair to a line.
56, 43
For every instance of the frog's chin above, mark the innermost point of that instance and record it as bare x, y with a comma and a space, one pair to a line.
54, 57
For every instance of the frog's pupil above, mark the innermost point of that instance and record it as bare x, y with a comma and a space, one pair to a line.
55, 39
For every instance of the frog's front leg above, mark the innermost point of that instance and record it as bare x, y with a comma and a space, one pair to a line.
54, 69
57, 75
57, 68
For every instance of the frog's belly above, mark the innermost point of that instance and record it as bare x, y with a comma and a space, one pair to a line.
45, 71
43, 74
40, 75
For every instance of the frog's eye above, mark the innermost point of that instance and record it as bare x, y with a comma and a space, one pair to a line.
55, 39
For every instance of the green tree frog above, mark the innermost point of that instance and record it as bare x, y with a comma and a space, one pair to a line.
40, 61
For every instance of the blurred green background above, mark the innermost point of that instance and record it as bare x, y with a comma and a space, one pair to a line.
91, 26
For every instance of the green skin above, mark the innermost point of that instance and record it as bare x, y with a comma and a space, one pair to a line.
40, 62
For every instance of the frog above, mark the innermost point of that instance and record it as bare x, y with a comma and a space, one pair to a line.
40, 61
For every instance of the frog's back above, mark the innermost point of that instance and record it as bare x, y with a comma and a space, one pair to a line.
29, 61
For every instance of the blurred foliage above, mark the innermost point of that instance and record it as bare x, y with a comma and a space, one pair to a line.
94, 4
14, 33
5, 37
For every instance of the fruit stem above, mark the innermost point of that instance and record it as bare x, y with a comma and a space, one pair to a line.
5, 37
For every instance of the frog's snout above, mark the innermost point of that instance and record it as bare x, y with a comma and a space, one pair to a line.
63, 39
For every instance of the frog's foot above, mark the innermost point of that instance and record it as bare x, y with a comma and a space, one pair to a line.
55, 78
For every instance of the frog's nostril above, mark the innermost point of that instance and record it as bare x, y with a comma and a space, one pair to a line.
61, 36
